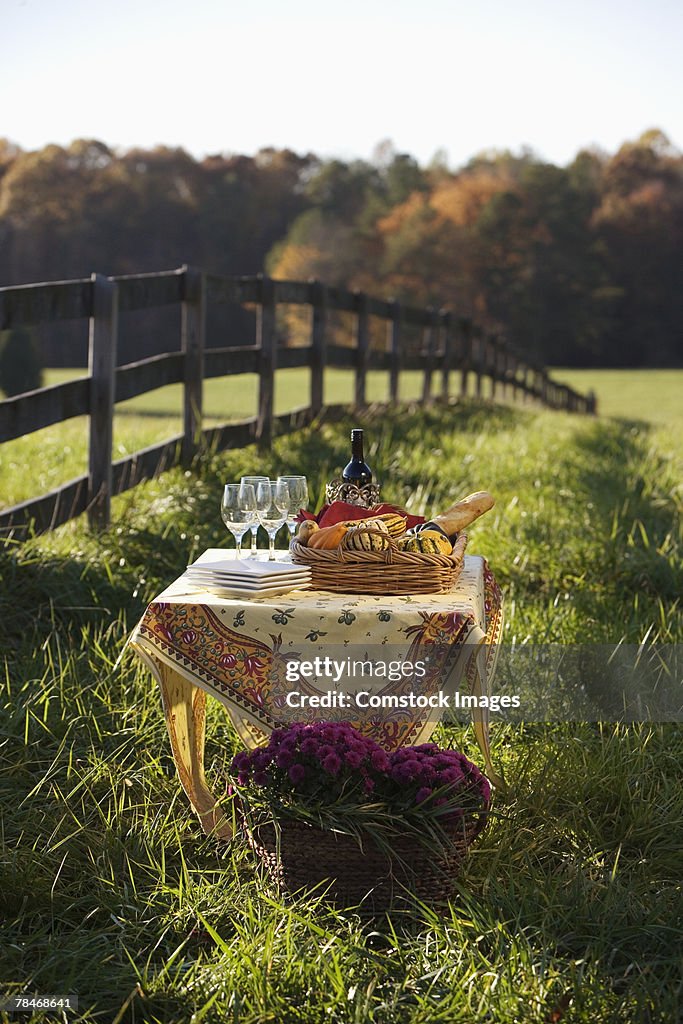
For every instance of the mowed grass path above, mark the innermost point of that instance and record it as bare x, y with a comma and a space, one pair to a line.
570, 906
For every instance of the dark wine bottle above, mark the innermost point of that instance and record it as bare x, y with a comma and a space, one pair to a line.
357, 471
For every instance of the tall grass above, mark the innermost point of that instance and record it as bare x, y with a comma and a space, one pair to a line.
570, 906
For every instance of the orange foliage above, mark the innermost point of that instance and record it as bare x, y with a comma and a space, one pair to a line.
461, 200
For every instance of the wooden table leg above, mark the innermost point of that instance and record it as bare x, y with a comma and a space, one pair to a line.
185, 711
480, 685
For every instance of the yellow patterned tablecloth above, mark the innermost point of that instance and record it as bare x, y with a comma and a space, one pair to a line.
236, 650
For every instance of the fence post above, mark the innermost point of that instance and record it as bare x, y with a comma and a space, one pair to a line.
430, 343
102, 345
476, 340
448, 353
362, 347
318, 344
466, 346
544, 387
267, 350
492, 362
504, 362
395, 350
192, 339
514, 369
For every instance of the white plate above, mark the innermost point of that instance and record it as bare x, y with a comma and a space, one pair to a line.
227, 580
249, 568
219, 591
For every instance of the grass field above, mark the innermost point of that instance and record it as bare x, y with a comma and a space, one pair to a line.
570, 907
651, 397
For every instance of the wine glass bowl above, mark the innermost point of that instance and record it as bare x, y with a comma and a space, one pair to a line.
272, 505
298, 498
254, 481
238, 511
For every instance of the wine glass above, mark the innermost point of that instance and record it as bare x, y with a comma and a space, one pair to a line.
238, 510
298, 499
272, 504
255, 481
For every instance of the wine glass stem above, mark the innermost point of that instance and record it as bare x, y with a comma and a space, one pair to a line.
254, 531
271, 545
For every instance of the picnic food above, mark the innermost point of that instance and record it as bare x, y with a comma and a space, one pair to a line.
395, 523
426, 542
328, 536
367, 535
461, 514
306, 530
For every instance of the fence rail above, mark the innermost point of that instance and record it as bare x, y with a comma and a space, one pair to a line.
451, 344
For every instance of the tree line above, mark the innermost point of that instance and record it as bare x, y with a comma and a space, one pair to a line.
578, 265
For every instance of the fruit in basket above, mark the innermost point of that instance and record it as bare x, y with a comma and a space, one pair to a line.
328, 537
427, 542
306, 531
368, 535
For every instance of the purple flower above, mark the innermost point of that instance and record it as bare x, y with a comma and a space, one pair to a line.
261, 759
332, 764
309, 745
297, 773
353, 759
285, 758
242, 778
241, 761
260, 779
422, 794
379, 760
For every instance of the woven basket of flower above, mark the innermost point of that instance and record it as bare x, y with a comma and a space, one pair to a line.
353, 870
325, 808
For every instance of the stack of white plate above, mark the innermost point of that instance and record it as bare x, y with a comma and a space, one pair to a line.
248, 577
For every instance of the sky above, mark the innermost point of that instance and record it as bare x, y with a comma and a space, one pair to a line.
454, 78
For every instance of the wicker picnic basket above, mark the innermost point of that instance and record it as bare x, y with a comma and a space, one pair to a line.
381, 572
295, 855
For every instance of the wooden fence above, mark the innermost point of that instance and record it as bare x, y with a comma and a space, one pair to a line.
450, 344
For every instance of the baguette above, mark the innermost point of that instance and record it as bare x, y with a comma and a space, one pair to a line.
464, 512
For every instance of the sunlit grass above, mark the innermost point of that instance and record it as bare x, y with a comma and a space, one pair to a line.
570, 904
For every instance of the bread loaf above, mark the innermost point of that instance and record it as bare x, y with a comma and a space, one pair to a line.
464, 512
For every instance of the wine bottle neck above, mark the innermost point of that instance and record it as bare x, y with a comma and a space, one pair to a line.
357, 445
